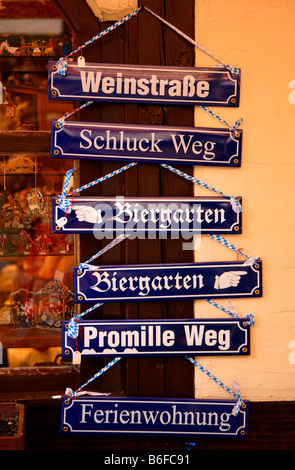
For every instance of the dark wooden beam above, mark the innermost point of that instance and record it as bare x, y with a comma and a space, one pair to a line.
29, 338
31, 142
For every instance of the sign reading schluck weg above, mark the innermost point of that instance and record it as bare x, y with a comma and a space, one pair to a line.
143, 143
144, 84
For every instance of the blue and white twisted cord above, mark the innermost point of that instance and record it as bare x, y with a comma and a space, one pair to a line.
106, 31
73, 327
104, 369
113, 243
231, 128
105, 177
232, 311
224, 242
235, 204
233, 70
69, 392
61, 121
239, 402
62, 64
65, 203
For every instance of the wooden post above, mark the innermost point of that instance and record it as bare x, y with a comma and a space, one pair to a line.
142, 40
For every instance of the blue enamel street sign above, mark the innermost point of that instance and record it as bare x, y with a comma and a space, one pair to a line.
153, 416
158, 144
158, 337
144, 84
179, 217
167, 281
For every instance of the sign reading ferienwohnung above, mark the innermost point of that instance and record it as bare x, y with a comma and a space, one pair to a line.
152, 416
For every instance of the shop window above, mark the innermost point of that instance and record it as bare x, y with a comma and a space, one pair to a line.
36, 266
32, 28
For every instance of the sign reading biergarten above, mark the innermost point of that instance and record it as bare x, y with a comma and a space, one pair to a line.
144, 84
157, 337
179, 217
153, 416
143, 143
167, 281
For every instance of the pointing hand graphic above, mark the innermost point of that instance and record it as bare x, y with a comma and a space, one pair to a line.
87, 214
228, 279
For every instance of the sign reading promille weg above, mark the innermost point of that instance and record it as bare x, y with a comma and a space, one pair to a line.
144, 84
158, 337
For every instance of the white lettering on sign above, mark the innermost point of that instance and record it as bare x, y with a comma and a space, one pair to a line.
155, 335
173, 415
196, 336
94, 82
152, 335
165, 215
144, 284
197, 146
119, 142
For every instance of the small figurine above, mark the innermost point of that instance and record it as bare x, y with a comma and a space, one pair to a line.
44, 320
3, 240
46, 242
35, 202
27, 222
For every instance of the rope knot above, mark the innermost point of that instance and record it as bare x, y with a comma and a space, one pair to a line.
65, 203
62, 66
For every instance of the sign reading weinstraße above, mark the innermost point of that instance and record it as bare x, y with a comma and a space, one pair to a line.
152, 416
158, 337
179, 217
144, 84
167, 281
143, 143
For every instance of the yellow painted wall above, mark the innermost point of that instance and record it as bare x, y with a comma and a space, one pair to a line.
258, 37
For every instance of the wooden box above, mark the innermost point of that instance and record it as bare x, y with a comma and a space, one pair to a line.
17, 441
